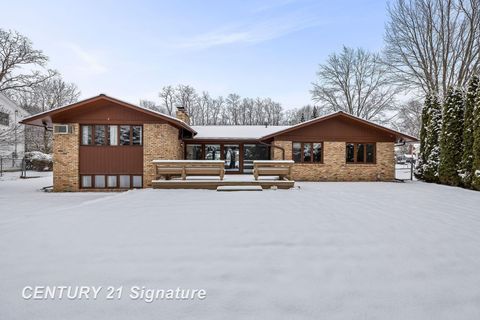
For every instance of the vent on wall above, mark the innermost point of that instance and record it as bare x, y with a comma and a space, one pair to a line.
62, 129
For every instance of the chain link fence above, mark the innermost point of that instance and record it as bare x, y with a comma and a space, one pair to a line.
10, 164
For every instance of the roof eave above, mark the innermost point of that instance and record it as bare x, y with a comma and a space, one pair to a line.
49, 113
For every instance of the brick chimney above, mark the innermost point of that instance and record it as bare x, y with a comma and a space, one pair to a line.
183, 115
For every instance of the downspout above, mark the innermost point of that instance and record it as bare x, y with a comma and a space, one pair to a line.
275, 146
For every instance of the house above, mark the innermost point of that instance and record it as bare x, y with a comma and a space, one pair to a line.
12, 142
104, 143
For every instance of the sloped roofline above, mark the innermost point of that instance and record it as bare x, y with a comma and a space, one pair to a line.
102, 96
405, 137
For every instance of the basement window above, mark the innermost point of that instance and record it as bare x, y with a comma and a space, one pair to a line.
136, 181
86, 181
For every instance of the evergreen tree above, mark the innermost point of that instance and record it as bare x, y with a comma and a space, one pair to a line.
314, 112
451, 138
302, 118
432, 144
476, 144
423, 140
467, 158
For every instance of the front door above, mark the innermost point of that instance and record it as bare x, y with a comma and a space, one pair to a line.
231, 155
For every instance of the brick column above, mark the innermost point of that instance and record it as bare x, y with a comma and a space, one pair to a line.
65, 160
277, 153
160, 142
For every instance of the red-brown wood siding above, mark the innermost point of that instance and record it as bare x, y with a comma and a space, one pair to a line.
111, 160
104, 112
337, 129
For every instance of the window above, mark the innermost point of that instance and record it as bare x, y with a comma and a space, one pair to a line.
212, 152
86, 181
307, 152
360, 153
350, 153
112, 181
370, 153
252, 152
100, 135
231, 156
4, 118
317, 152
137, 181
193, 152
86, 135
124, 181
113, 135
297, 152
100, 181
137, 135
125, 135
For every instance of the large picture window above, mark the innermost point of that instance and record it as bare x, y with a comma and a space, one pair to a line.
112, 135
307, 152
360, 152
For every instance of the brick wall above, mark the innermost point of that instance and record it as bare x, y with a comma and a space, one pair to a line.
160, 142
334, 167
65, 160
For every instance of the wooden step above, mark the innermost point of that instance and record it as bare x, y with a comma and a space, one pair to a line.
239, 188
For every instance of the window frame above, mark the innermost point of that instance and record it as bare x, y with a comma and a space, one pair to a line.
302, 150
106, 142
4, 119
106, 186
92, 182
355, 156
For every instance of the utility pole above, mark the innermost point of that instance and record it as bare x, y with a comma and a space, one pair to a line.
15, 129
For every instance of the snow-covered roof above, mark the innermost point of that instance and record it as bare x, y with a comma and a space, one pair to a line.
235, 132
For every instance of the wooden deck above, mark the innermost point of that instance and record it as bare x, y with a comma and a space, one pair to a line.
231, 180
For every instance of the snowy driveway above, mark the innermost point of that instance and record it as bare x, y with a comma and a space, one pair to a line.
326, 251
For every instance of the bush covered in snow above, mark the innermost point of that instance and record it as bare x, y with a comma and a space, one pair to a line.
38, 161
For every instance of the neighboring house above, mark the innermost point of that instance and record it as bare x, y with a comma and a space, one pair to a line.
12, 141
107, 143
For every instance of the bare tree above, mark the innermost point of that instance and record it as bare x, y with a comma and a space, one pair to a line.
16, 56
185, 97
355, 81
205, 110
152, 105
409, 117
433, 44
167, 95
49, 94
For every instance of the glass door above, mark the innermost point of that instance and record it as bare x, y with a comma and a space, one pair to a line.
253, 152
212, 152
231, 154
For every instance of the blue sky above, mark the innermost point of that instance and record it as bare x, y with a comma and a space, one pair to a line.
130, 49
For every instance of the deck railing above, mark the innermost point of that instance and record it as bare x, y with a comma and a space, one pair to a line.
281, 168
184, 168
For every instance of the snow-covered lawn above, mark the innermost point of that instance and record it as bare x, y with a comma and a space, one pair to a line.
324, 251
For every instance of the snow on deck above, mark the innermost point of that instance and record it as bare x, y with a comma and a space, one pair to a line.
235, 132
366, 250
